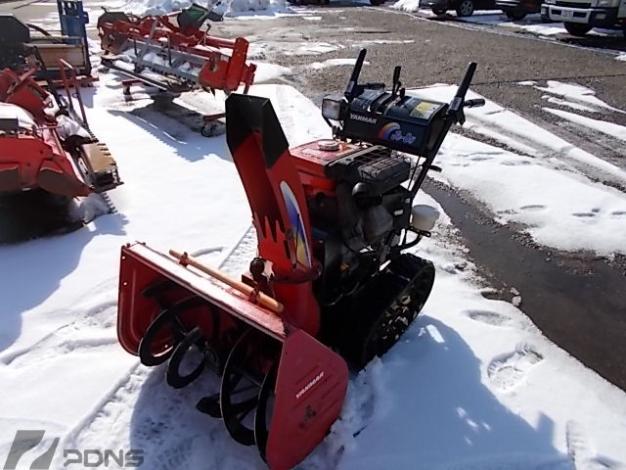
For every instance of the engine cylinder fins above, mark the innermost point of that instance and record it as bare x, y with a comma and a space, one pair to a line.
386, 309
247, 389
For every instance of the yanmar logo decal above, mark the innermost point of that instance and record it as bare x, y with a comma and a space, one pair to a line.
362, 118
310, 384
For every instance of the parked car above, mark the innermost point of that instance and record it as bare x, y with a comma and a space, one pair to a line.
518, 9
462, 7
580, 16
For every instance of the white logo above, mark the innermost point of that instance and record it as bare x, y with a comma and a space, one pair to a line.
398, 136
360, 117
308, 386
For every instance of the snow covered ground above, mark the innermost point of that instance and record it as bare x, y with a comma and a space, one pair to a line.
544, 189
472, 385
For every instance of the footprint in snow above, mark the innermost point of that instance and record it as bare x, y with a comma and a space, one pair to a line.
515, 162
583, 215
506, 212
509, 370
490, 318
533, 207
618, 213
581, 453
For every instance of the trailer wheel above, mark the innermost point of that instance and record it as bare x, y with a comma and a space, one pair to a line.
577, 29
465, 8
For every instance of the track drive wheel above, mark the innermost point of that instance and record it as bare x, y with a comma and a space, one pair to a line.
387, 308
247, 389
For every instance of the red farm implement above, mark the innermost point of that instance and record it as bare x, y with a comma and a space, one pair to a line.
174, 53
45, 140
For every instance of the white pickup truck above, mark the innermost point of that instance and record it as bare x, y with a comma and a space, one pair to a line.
579, 16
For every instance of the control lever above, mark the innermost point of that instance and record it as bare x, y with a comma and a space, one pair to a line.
397, 84
353, 83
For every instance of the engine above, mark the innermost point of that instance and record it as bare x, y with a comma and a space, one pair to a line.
358, 208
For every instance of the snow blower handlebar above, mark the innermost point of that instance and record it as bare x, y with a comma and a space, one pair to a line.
393, 119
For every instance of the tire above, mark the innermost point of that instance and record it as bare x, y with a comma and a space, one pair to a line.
465, 8
515, 14
375, 3
439, 11
624, 30
577, 29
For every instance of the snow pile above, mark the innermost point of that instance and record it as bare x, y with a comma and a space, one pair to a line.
266, 72
575, 93
332, 63
225, 7
407, 5
607, 128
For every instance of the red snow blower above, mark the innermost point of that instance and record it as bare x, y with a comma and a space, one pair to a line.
174, 54
332, 283
45, 143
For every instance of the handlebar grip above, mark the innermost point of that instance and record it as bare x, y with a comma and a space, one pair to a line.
475, 103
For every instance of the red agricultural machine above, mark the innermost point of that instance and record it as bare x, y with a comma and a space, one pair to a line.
175, 54
44, 142
332, 284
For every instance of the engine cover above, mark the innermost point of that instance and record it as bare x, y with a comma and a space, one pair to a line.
325, 163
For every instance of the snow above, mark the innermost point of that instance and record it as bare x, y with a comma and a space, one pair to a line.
471, 385
556, 205
575, 93
332, 63
569, 104
608, 128
266, 71
517, 132
407, 5
621, 56
233, 8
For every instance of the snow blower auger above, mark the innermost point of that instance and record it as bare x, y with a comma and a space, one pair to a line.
45, 143
331, 285
174, 54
